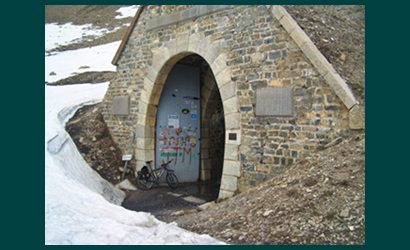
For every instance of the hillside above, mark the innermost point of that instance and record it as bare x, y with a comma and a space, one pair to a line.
319, 200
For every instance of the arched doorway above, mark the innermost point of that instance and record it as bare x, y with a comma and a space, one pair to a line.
155, 75
190, 127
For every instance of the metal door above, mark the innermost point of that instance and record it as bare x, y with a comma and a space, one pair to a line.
178, 123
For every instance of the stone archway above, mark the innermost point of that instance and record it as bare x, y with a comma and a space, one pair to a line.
163, 60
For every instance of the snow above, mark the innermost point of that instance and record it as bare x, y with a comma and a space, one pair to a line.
80, 206
64, 34
68, 63
127, 11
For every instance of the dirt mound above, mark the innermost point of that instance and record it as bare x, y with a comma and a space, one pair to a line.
319, 200
92, 138
86, 77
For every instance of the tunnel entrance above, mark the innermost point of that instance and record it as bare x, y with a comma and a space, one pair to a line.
190, 126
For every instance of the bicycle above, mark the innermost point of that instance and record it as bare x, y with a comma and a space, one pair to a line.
147, 176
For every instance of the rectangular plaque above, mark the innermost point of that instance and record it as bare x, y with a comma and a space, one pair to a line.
120, 105
232, 136
274, 101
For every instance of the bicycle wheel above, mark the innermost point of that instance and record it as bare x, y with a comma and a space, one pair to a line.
144, 183
172, 180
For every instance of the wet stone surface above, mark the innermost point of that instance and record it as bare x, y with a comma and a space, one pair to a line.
168, 204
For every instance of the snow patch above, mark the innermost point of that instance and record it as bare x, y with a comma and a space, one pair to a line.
68, 63
127, 11
63, 34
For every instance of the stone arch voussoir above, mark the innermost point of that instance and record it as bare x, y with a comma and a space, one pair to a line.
163, 60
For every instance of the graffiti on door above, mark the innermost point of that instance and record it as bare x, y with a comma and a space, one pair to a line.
177, 143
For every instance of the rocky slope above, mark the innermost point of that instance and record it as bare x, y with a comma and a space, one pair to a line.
319, 200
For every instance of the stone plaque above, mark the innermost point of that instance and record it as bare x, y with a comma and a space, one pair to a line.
120, 105
274, 101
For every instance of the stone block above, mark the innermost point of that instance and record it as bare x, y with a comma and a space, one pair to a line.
223, 77
146, 120
288, 23
224, 194
341, 89
152, 74
211, 54
194, 40
228, 90
258, 57
148, 84
144, 131
231, 152
356, 117
142, 107
218, 64
144, 154
229, 183
144, 97
159, 57
172, 47
182, 41
278, 11
232, 168
299, 36
230, 105
232, 121
145, 143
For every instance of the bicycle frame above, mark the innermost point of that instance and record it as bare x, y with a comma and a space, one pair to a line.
158, 172
153, 176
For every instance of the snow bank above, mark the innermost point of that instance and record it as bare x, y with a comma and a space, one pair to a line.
68, 63
127, 11
80, 205
64, 34
61, 103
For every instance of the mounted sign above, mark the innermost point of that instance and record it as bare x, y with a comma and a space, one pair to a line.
232, 136
126, 157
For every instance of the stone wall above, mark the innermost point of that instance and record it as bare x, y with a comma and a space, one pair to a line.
253, 50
